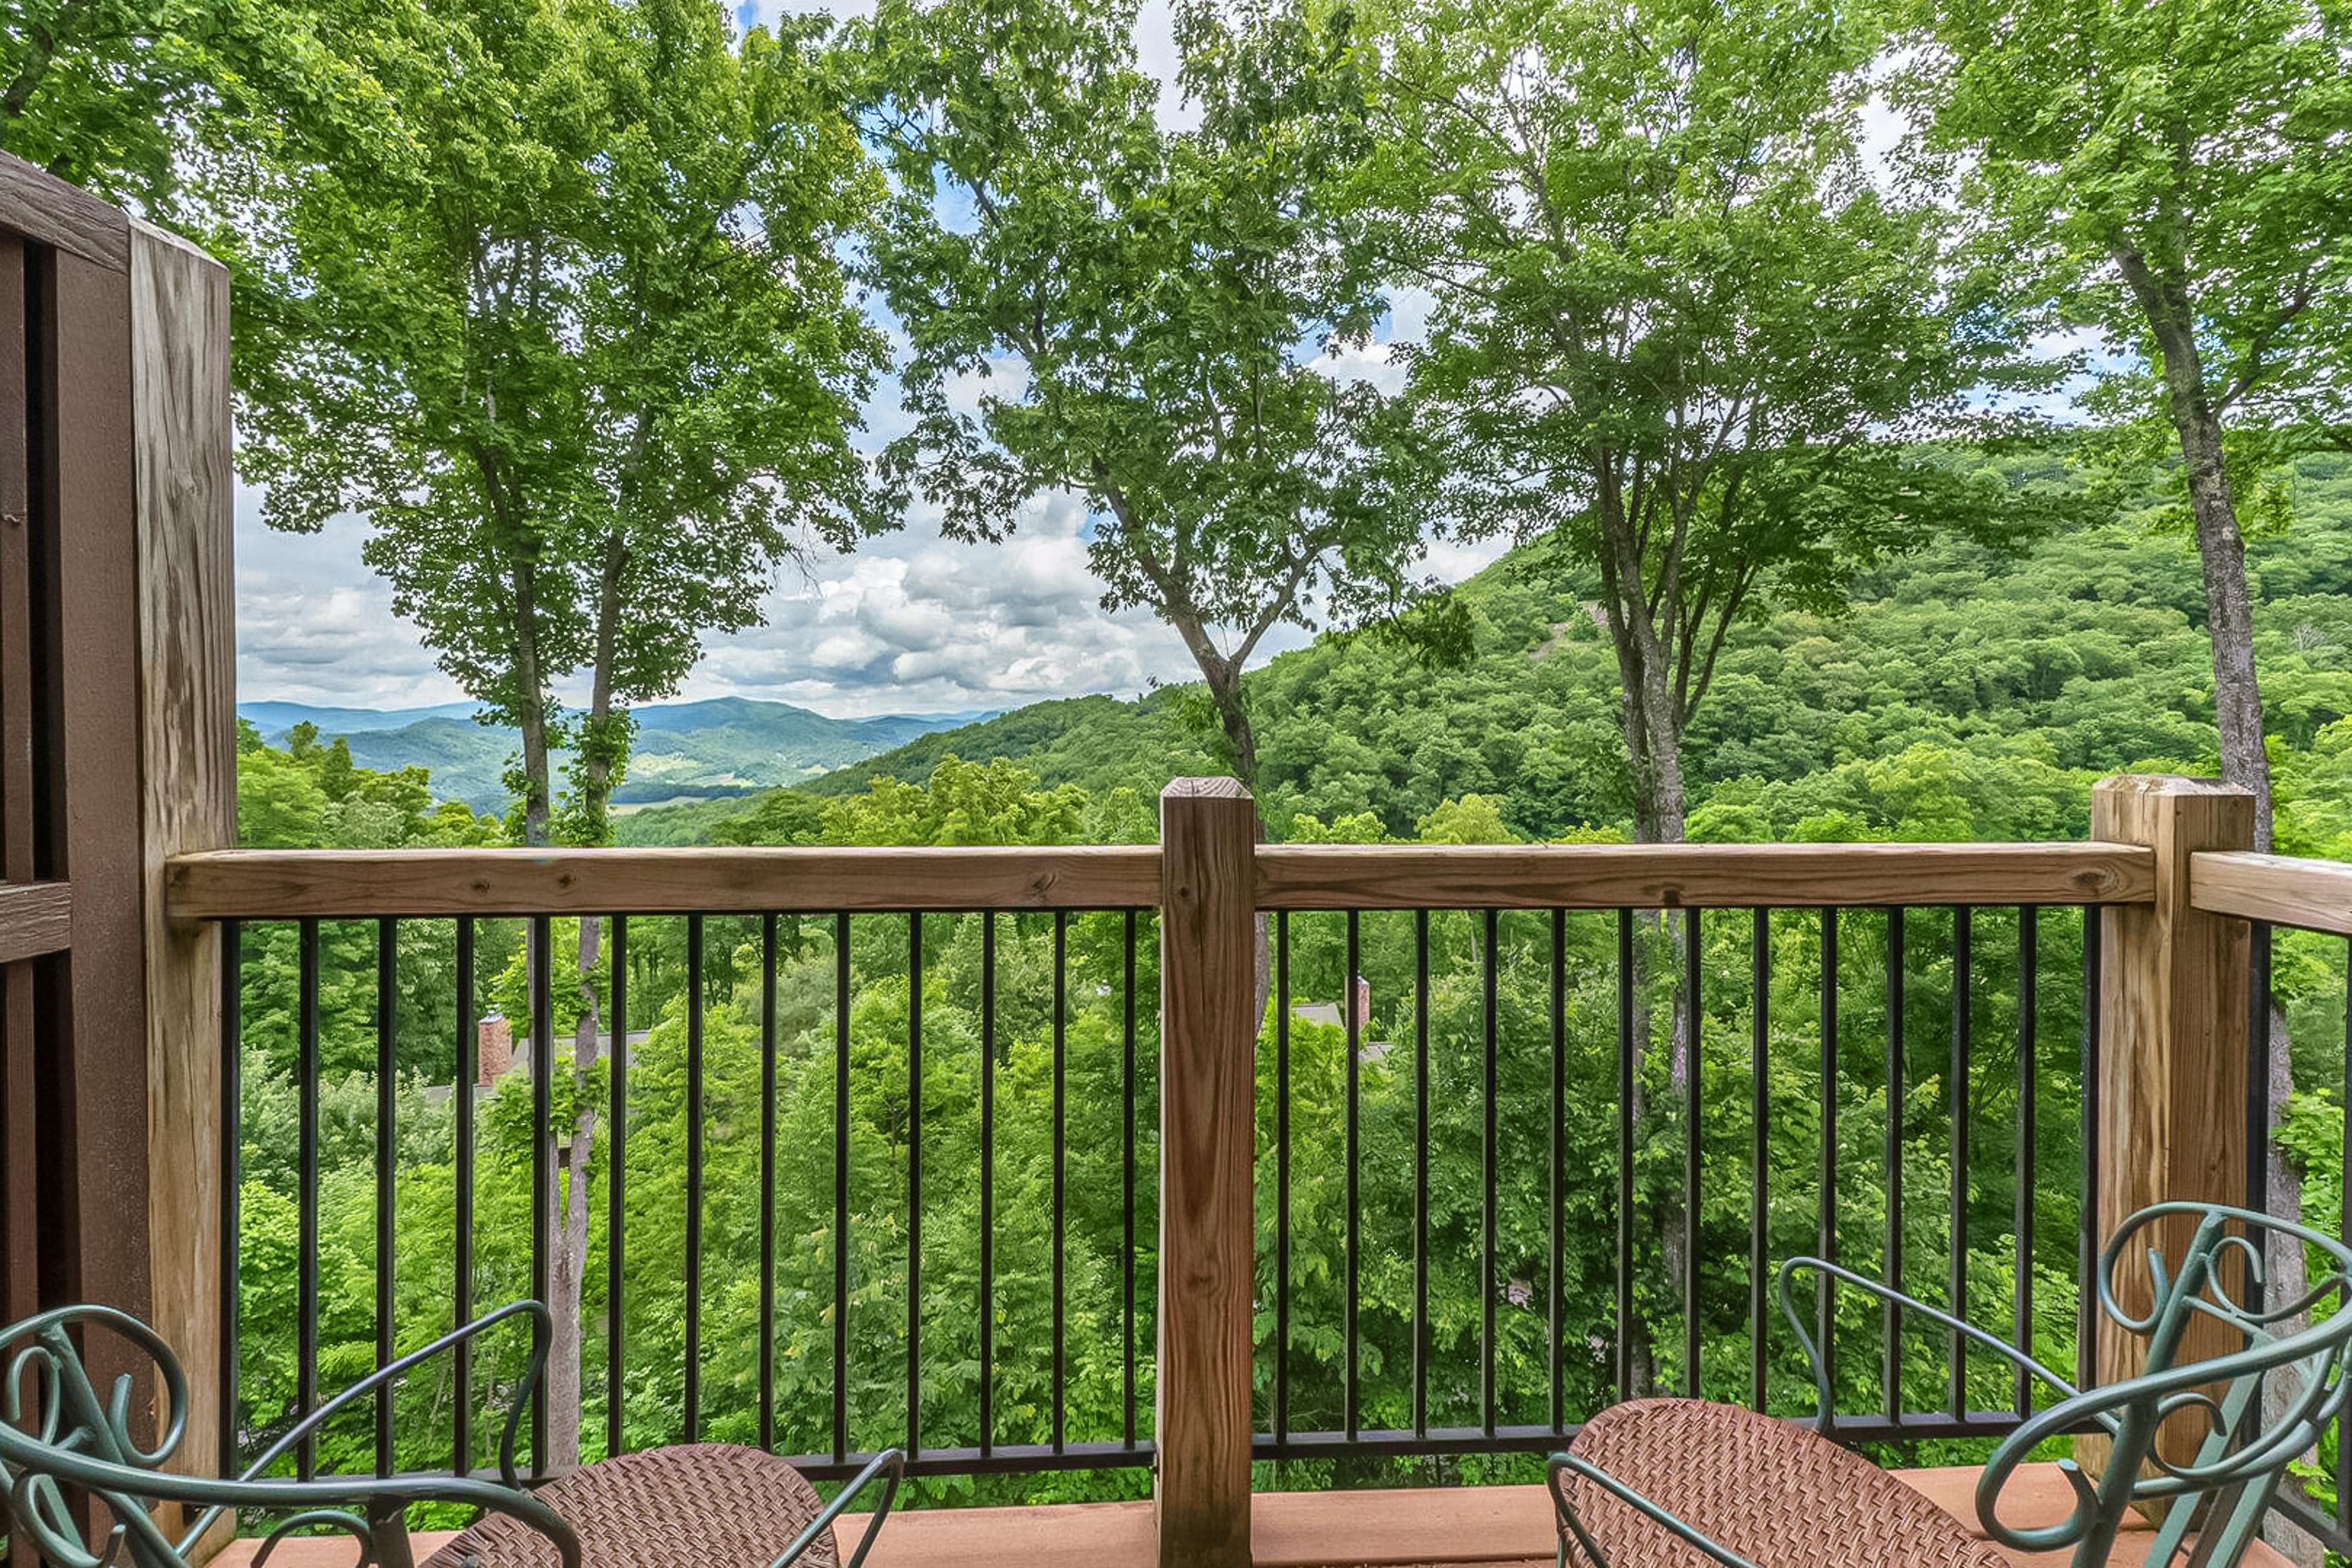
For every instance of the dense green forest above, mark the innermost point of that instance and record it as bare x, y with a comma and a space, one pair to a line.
1973, 692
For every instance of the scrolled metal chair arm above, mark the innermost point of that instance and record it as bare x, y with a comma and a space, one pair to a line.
1569, 1463
378, 1497
891, 1462
1827, 1412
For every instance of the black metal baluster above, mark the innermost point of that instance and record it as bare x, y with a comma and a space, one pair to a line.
540, 967
617, 1184
988, 1182
2344, 1223
1487, 1347
768, 1182
1281, 1178
306, 1159
914, 1184
1625, 1065
1558, 1281
1127, 1190
1692, 1077
1354, 1196
232, 1165
2258, 1083
1827, 1242
2029, 983
387, 1156
1957, 1091
841, 1188
1898, 1104
1760, 1154
470, 1076
694, 1176
1421, 1173
2086, 1260
1061, 1170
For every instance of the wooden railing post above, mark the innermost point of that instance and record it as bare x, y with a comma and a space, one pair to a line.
1208, 832
2173, 1047
188, 792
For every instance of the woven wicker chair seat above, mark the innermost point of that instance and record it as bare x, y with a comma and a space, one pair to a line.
705, 1505
1777, 1494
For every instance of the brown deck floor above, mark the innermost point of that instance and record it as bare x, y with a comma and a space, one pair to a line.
1502, 1526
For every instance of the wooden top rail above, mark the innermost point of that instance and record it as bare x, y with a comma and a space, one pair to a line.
1683, 876
275, 884
2316, 895
278, 884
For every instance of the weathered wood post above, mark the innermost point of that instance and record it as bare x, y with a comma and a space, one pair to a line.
187, 788
1208, 834
2173, 1056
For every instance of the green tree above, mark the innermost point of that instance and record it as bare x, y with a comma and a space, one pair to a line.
1142, 308
2173, 177
1676, 327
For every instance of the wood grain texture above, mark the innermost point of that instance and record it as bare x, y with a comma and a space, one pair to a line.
2316, 895
187, 773
1436, 1526
2172, 1051
45, 209
36, 919
1208, 1040
1654, 876
284, 883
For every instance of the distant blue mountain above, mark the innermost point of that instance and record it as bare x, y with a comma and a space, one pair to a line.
685, 751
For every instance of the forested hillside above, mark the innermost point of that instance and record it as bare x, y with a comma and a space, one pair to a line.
1973, 690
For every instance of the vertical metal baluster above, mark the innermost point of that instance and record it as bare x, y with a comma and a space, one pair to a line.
1963, 1027
2087, 1239
768, 1182
1487, 1349
1060, 1171
540, 967
1281, 1178
1761, 1155
1350, 1389
2344, 1222
1558, 1281
306, 1158
232, 1165
387, 1156
988, 1181
914, 1184
617, 1185
1692, 975
1898, 1104
1421, 1173
694, 1176
1626, 1062
2028, 987
470, 1075
841, 1187
2258, 1087
1127, 1187
1827, 1242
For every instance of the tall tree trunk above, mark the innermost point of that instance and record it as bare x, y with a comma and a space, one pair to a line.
2238, 717
598, 746
530, 706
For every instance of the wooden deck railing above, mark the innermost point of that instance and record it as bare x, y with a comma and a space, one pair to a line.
2168, 959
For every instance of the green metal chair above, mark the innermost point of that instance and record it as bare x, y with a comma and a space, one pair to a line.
1675, 1481
57, 1439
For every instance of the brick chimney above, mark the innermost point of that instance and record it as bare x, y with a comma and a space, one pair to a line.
493, 1049
1363, 1003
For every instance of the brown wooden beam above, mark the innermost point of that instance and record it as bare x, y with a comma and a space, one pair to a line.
43, 208
1675, 876
36, 919
2316, 895
1208, 1082
272, 884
